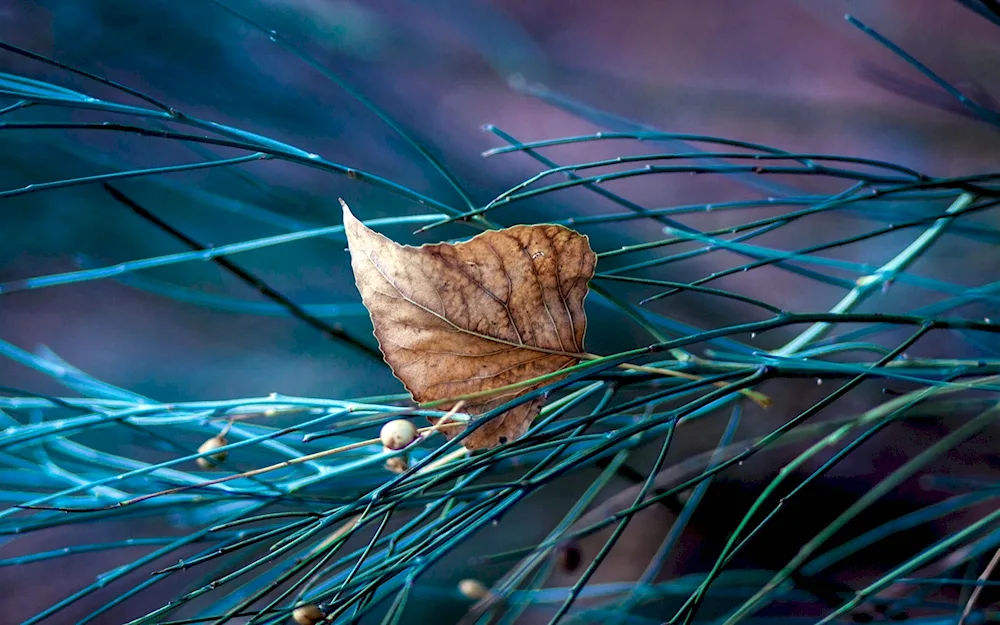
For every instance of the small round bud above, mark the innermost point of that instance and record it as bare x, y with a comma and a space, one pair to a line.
397, 464
397, 434
308, 614
206, 462
473, 589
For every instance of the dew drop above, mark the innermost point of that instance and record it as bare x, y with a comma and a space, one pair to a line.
819, 381
987, 320
312, 156
753, 335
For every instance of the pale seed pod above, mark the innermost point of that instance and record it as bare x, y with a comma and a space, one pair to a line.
213, 443
309, 614
473, 589
397, 434
397, 464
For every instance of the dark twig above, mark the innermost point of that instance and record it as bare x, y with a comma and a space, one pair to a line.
247, 277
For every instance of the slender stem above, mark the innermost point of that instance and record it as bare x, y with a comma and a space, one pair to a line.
881, 489
866, 285
245, 276
228, 478
987, 572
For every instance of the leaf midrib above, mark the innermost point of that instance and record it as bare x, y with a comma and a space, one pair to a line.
485, 337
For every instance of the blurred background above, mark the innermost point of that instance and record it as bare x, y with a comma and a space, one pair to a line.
789, 73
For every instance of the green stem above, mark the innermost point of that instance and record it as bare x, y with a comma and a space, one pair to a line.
868, 284
882, 488
939, 549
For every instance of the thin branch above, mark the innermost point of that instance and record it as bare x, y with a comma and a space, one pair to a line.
245, 276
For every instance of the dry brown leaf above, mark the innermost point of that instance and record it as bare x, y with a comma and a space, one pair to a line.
503, 307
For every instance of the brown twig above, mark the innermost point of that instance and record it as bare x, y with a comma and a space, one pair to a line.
987, 572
